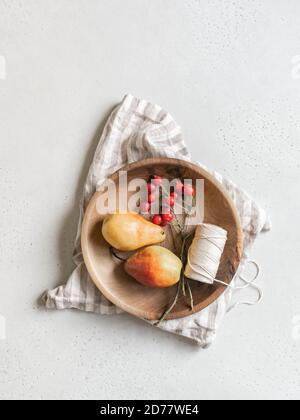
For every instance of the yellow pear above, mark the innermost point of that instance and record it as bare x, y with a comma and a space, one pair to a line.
130, 231
154, 266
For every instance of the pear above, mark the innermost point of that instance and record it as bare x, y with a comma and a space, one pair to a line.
130, 231
154, 266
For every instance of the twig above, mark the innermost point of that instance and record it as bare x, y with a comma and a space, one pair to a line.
166, 313
181, 284
191, 295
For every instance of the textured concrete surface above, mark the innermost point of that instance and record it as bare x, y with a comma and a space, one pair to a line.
229, 72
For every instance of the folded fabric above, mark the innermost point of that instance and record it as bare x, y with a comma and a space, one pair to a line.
138, 130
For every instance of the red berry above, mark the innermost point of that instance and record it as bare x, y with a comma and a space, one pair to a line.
179, 187
174, 194
168, 217
157, 180
157, 219
189, 190
170, 201
151, 188
165, 209
145, 207
151, 198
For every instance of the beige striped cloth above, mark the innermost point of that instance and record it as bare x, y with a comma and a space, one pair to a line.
138, 130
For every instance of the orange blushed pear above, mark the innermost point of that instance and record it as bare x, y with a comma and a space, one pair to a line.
154, 266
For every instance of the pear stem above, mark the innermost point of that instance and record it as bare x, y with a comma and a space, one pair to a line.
116, 255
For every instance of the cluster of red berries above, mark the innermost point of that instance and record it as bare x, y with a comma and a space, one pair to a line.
166, 215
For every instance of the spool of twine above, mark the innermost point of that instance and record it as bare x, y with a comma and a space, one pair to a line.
204, 257
205, 253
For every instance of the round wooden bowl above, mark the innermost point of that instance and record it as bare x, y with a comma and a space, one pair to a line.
147, 303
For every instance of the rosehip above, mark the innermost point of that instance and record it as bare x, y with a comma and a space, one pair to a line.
157, 180
151, 198
168, 217
157, 219
145, 207
151, 188
179, 187
189, 190
165, 209
170, 201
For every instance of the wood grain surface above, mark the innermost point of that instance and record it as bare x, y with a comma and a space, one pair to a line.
119, 288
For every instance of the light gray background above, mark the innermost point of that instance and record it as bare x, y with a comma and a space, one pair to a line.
225, 70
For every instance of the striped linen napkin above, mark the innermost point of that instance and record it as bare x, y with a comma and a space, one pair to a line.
138, 130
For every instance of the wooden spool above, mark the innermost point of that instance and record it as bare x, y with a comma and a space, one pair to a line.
120, 289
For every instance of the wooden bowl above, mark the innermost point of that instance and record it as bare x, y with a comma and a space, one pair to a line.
147, 303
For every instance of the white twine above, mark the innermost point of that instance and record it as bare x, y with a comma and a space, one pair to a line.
204, 258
